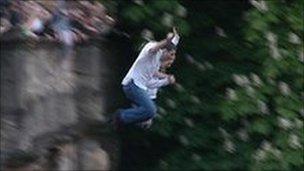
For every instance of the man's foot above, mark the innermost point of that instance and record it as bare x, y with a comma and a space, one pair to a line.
117, 122
111, 118
145, 124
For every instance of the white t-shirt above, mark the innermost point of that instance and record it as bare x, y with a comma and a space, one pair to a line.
144, 67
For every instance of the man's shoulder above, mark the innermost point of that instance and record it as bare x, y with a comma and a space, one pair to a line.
150, 44
146, 48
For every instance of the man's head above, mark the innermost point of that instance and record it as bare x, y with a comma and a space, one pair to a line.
169, 50
168, 56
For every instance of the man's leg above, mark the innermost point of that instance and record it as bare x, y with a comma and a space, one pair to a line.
145, 106
146, 124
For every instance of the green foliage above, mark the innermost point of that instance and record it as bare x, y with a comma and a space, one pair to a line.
280, 45
239, 99
138, 17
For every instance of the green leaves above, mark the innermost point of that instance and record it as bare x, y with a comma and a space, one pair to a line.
294, 157
135, 14
261, 126
277, 48
257, 44
286, 112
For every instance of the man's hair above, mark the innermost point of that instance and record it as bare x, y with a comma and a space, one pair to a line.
170, 46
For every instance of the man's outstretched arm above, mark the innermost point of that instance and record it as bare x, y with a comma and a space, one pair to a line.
160, 75
171, 38
157, 83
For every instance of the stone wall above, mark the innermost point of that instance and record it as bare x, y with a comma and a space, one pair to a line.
53, 107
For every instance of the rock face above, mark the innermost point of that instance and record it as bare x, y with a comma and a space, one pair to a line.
49, 104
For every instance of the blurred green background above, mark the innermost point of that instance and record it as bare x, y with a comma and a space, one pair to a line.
238, 103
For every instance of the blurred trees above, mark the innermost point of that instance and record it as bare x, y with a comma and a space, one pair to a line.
146, 20
264, 109
238, 103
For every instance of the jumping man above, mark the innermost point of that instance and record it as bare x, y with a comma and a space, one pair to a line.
136, 82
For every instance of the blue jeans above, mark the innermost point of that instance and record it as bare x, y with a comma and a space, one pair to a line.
144, 109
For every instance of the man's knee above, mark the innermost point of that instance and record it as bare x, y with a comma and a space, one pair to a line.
150, 111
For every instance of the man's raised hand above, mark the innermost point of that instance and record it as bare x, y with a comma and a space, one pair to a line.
176, 37
171, 35
175, 31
